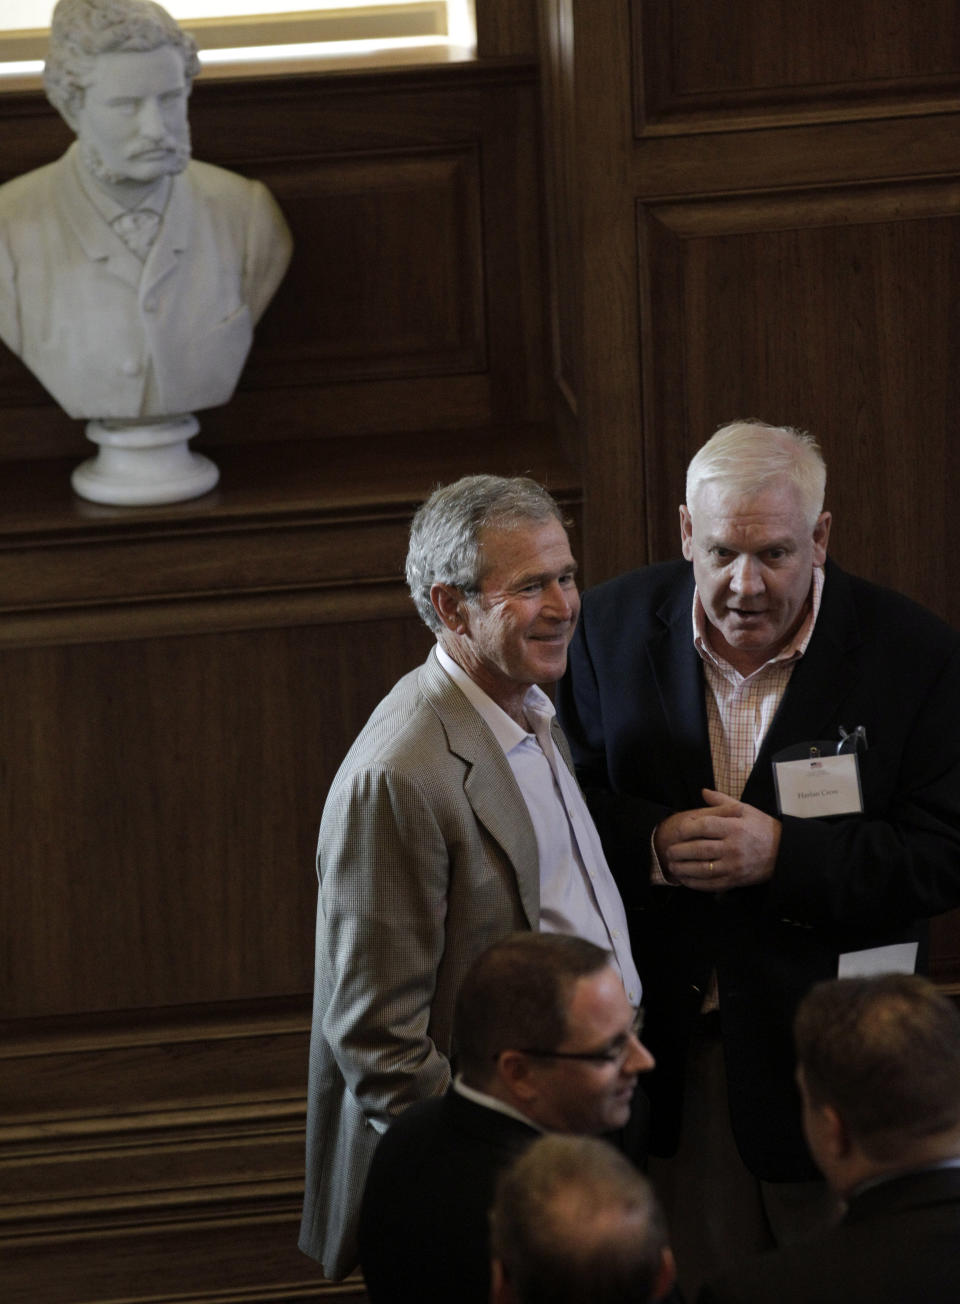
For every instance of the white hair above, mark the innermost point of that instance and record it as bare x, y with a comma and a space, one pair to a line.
746, 457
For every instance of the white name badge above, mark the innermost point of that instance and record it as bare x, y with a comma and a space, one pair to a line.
901, 957
818, 785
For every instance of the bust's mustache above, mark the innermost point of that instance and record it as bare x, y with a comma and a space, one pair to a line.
177, 149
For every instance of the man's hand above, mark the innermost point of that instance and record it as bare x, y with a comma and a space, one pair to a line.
722, 845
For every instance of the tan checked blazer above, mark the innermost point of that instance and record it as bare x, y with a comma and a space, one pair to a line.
426, 856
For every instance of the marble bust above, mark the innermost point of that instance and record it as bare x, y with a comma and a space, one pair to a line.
131, 276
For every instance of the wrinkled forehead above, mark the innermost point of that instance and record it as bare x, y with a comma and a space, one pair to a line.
716, 503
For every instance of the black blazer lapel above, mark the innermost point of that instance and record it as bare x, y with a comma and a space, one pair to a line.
909, 1191
678, 678
820, 681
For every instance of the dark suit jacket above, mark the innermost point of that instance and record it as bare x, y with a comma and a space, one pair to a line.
632, 706
423, 1220
899, 1244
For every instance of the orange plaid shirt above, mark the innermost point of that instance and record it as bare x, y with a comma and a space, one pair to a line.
740, 708
739, 711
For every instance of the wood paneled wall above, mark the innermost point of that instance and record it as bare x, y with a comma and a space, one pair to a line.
179, 684
754, 210
749, 209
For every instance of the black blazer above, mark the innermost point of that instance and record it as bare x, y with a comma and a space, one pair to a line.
423, 1219
898, 1244
632, 706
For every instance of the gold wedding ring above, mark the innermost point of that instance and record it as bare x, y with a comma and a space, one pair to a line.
711, 866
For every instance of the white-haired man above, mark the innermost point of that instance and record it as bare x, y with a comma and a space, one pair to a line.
771, 749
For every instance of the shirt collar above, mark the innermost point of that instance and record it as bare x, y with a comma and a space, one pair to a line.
105, 204
792, 652
491, 1102
870, 1182
506, 731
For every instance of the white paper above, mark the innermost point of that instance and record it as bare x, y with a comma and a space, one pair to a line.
901, 957
818, 786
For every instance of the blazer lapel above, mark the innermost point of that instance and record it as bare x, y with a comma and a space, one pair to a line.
909, 1191
100, 243
173, 237
820, 681
678, 677
489, 786
502, 1133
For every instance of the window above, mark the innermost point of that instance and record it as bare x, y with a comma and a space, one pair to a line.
256, 36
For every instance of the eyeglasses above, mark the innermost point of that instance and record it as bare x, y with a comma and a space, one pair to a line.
615, 1051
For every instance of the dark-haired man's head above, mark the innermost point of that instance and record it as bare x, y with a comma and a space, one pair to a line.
543, 1023
878, 1064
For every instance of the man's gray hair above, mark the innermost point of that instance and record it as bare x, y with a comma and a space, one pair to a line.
80, 30
746, 457
445, 544
574, 1220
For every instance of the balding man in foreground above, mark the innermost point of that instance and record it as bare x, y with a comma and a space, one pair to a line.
879, 1073
574, 1223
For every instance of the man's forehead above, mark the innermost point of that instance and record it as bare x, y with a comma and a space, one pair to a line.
600, 990
129, 71
773, 515
538, 547
725, 501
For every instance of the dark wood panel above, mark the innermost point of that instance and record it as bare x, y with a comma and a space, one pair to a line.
160, 805
148, 568
176, 1075
414, 203
218, 1256
560, 196
828, 312
386, 278
819, 155
597, 398
135, 1145
722, 63
506, 27
945, 950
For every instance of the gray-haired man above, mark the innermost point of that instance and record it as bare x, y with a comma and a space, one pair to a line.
454, 820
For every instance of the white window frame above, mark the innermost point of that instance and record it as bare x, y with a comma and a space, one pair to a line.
341, 33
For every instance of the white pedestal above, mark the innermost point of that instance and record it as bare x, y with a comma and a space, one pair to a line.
139, 464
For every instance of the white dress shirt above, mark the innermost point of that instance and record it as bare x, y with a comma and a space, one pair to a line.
577, 891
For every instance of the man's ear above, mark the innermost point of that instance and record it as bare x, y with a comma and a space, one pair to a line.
686, 532
836, 1134
821, 533
450, 606
666, 1274
826, 1132
514, 1071
501, 1292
